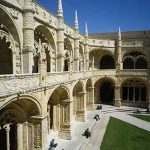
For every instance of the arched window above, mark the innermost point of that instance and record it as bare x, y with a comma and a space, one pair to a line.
134, 60
134, 90
107, 62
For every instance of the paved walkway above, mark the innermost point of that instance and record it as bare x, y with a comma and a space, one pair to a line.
79, 142
133, 120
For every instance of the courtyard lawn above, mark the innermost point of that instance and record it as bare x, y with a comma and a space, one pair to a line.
120, 135
142, 117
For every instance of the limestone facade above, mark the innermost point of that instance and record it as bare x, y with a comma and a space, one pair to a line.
50, 74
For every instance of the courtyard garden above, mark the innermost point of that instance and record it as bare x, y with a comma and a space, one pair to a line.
120, 135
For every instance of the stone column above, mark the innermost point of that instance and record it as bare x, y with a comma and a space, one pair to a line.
54, 117
26, 135
76, 51
117, 96
65, 130
60, 38
42, 65
81, 97
148, 82
40, 132
7, 128
28, 36
19, 136
119, 46
76, 44
148, 99
93, 64
14, 62
48, 117
86, 48
90, 98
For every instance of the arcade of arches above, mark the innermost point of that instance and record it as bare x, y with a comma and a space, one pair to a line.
51, 75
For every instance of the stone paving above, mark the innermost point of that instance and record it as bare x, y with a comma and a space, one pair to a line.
98, 128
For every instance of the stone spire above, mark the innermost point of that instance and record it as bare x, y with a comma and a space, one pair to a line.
60, 9
119, 34
76, 20
86, 29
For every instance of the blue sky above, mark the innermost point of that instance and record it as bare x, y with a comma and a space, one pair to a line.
105, 15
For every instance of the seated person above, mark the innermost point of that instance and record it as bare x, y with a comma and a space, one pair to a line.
52, 144
147, 110
137, 111
98, 107
87, 133
97, 117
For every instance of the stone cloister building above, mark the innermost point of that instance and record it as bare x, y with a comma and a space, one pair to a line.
50, 74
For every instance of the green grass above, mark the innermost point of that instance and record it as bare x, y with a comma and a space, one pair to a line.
142, 117
120, 135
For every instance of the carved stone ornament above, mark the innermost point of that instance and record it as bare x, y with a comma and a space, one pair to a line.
37, 135
14, 13
50, 19
36, 9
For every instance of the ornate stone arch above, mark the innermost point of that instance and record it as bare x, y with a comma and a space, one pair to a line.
43, 36
104, 90
97, 54
29, 97
134, 90
10, 24
105, 78
58, 108
134, 60
9, 32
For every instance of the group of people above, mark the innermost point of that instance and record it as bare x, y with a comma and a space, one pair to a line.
99, 107
86, 133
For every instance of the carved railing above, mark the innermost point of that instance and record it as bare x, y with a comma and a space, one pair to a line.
14, 84
104, 72
134, 72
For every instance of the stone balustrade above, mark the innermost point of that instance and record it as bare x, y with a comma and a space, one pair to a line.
134, 72
13, 84
21, 83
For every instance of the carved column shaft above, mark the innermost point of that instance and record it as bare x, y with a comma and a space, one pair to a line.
60, 44
90, 99
28, 36
86, 50
19, 136
76, 51
118, 63
7, 128
117, 96
65, 129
